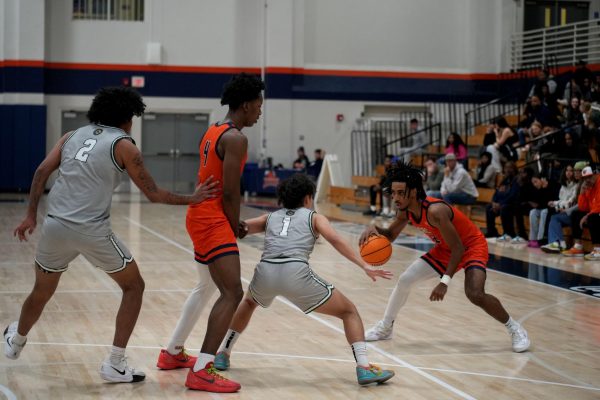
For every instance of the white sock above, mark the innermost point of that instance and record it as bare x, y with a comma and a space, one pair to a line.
511, 324
230, 338
116, 355
373, 208
203, 359
578, 246
360, 353
192, 308
563, 244
386, 210
18, 339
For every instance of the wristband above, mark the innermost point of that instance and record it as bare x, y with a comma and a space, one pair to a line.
446, 280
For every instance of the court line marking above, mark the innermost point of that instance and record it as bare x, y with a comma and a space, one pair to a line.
426, 375
7, 392
320, 358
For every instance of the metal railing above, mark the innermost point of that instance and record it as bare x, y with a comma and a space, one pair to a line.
488, 112
565, 45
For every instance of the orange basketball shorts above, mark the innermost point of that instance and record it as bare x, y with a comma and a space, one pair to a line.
474, 257
212, 238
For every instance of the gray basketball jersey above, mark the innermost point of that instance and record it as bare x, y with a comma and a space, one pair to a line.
289, 235
82, 194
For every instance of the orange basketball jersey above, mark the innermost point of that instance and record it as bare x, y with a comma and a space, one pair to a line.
476, 250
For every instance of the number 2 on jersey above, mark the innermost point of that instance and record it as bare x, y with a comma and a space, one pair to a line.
82, 154
286, 225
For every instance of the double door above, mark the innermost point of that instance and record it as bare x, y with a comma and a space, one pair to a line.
170, 148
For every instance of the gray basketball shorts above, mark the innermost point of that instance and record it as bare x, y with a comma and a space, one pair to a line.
59, 245
293, 280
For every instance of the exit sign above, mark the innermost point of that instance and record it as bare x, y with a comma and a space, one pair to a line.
138, 81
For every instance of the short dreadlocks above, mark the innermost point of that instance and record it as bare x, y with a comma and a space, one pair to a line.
405, 172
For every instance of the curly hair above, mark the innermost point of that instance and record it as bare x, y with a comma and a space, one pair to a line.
405, 172
115, 106
240, 89
291, 191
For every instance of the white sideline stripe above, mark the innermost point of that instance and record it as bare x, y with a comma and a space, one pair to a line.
430, 377
6, 391
293, 356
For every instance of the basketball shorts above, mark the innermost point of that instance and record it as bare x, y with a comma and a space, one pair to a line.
293, 280
474, 257
59, 245
213, 238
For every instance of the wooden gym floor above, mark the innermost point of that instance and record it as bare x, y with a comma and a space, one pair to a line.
448, 350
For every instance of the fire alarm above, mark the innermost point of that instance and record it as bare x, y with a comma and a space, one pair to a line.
339, 117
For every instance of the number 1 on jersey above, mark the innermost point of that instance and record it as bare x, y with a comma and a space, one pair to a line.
286, 225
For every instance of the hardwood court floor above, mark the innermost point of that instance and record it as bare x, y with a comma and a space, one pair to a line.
448, 350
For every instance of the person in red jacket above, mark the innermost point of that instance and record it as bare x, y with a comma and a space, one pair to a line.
588, 216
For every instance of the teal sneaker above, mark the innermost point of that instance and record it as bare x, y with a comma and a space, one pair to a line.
373, 374
222, 361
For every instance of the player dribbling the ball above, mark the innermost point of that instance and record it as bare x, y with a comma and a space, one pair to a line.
459, 244
290, 235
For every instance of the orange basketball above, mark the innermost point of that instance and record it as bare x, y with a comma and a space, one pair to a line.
376, 251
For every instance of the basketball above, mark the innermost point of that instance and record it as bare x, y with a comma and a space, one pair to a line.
376, 251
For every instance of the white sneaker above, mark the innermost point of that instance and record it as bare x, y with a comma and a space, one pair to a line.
593, 256
380, 331
518, 240
121, 372
12, 350
503, 238
520, 340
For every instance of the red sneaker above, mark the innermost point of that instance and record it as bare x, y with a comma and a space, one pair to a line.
209, 380
167, 360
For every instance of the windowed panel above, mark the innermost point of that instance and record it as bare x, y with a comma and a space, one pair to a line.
114, 10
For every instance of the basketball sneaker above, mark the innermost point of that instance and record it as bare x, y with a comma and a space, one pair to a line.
182, 359
381, 331
209, 380
518, 240
222, 361
552, 248
520, 340
121, 372
372, 374
11, 349
504, 238
593, 256
573, 252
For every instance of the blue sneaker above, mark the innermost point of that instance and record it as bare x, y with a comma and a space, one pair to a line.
373, 374
221, 361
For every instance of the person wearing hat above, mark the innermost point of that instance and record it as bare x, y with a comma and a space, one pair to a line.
588, 216
457, 185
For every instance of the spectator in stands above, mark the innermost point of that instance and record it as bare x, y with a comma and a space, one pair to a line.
586, 216
377, 191
486, 172
543, 78
596, 89
571, 149
457, 185
506, 139
433, 183
572, 113
414, 141
506, 194
544, 191
516, 211
314, 169
549, 100
528, 134
456, 146
536, 110
582, 73
488, 146
571, 90
302, 162
564, 206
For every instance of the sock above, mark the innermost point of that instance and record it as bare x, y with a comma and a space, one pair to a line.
203, 359
18, 339
116, 355
578, 246
174, 350
360, 353
230, 338
597, 249
511, 324
373, 208
563, 244
386, 210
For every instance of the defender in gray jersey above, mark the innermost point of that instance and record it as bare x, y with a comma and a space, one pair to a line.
290, 235
91, 162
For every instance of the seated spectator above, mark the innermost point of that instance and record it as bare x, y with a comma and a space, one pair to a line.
572, 113
543, 78
433, 183
571, 90
457, 186
571, 148
544, 192
563, 207
456, 146
486, 173
506, 139
517, 210
377, 191
535, 110
314, 169
301, 163
505, 195
587, 215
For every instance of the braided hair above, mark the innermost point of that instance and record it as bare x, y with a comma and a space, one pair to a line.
405, 172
